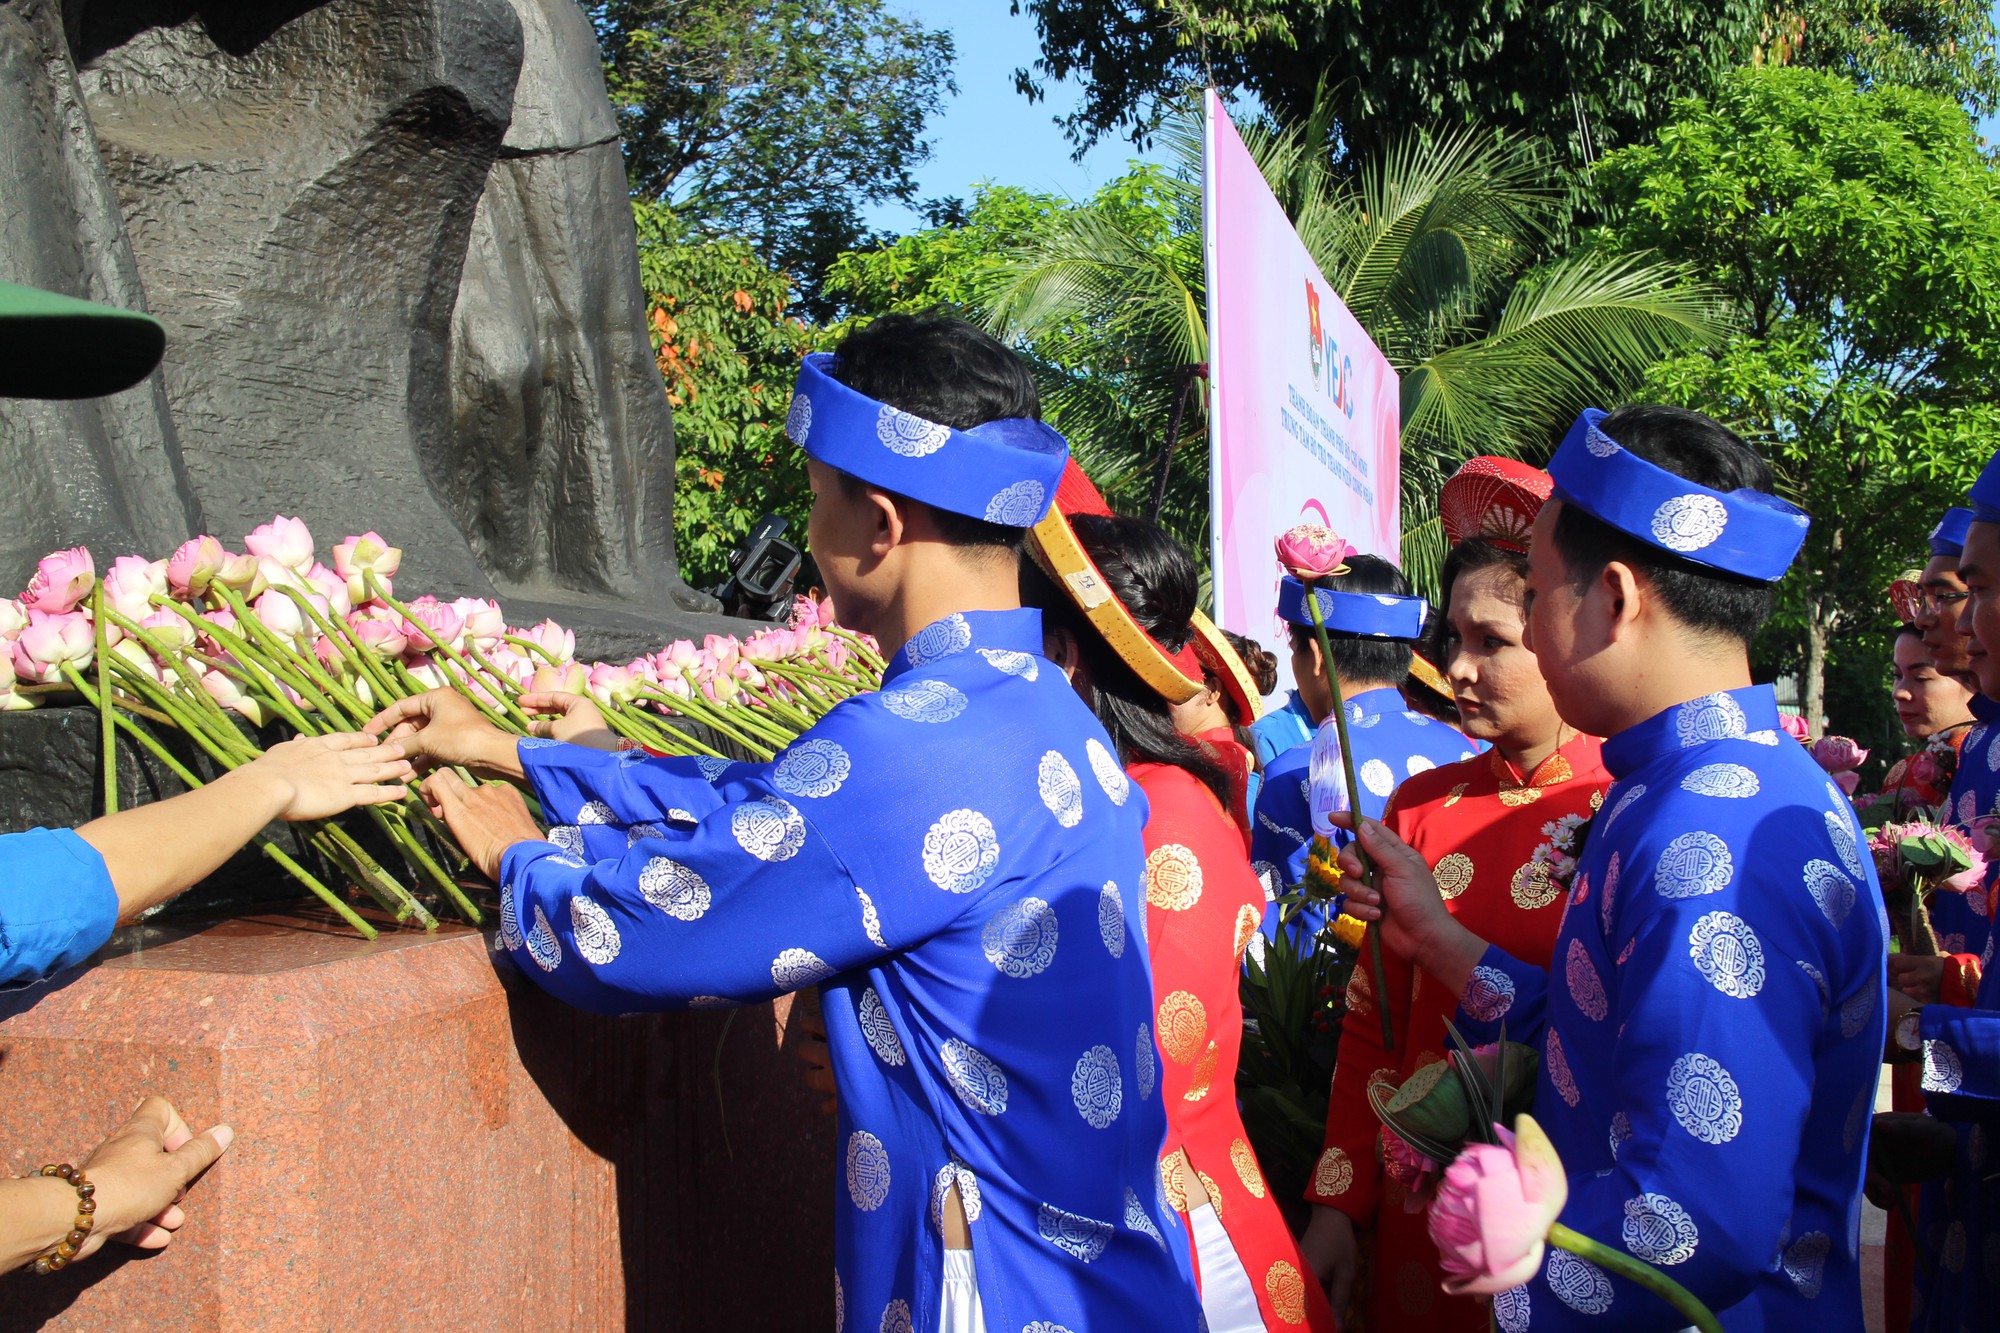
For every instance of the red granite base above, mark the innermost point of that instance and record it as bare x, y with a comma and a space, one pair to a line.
424, 1140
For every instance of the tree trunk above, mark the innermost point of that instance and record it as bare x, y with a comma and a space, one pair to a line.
1812, 690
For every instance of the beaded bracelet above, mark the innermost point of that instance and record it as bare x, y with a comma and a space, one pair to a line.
86, 1209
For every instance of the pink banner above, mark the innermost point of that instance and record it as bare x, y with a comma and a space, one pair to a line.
1304, 415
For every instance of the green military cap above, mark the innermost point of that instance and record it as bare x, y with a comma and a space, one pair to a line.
54, 346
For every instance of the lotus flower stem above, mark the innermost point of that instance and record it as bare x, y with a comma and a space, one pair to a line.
711, 716
656, 732
107, 733
1637, 1270
1373, 934
398, 831
861, 649
308, 678
264, 844
533, 647
388, 892
451, 654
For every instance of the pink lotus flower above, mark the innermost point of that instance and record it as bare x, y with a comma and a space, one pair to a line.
380, 634
1923, 769
132, 584
425, 673
166, 632
1311, 551
13, 617
1838, 754
1985, 835
239, 574
357, 557
483, 620
1848, 782
61, 580
677, 659
557, 643
1414, 1171
332, 587
1494, 1209
724, 648
567, 679
512, 663
1795, 727
773, 645
433, 623
619, 684
279, 614
838, 655
328, 654
194, 564
228, 693
284, 540
224, 619
133, 651
52, 641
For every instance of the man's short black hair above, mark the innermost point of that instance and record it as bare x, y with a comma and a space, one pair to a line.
1373, 661
1708, 453
948, 371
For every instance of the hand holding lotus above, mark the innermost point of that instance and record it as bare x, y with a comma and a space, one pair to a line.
577, 720
318, 777
442, 727
485, 820
1403, 897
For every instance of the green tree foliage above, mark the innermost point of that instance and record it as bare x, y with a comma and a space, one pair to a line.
729, 352
1938, 46
775, 120
1857, 233
1582, 74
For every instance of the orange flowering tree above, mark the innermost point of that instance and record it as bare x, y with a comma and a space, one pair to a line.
728, 350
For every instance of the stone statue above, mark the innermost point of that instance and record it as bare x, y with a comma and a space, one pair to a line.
390, 243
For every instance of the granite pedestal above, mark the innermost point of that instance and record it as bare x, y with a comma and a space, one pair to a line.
424, 1140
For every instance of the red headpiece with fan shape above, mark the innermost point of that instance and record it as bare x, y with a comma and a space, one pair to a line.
1493, 498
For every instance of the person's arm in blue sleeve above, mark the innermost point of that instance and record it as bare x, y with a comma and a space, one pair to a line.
57, 906
1961, 1051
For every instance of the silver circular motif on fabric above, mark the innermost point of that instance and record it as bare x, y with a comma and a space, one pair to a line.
979, 1082
1713, 717
960, 851
795, 969
711, 767
542, 946
871, 921
510, 924
1578, 1283
1860, 1008
1377, 777
1586, 990
1081, 1238
1136, 1220
595, 934
909, 435
1805, 1262
1625, 800
1061, 790
638, 833
1599, 444
675, 889
1833, 891
568, 837
799, 420
1845, 845
1728, 954
1143, 1068
1416, 764
815, 768
1693, 864
1109, 776
1689, 522
1608, 895
1111, 920
867, 1171
1095, 1088
595, 812
954, 1172
896, 1317
1659, 1230
770, 828
924, 701
878, 1030
939, 639
1558, 1066
1489, 994
1943, 1070
1047, 1325
1510, 1310
1728, 781
1020, 938
1704, 1098
1011, 662
1018, 506
1621, 1132
536, 743
1993, 755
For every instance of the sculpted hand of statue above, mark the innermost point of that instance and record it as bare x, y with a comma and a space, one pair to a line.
442, 728
1403, 896
577, 720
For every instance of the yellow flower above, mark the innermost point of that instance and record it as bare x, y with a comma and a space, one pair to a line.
1349, 931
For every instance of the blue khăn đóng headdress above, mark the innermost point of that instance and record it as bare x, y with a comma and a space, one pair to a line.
1743, 532
1002, 471
1368, 615
1986, 493
1948, 537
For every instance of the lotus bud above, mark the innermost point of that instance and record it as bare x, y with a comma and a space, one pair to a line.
50, 642
62, 579
284, 540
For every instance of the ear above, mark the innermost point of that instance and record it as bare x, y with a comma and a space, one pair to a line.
1624, 597
890, 524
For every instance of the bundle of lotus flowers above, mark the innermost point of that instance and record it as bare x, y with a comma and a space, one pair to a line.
207, 640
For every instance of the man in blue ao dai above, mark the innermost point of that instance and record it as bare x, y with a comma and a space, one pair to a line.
1712, 1027
955, 861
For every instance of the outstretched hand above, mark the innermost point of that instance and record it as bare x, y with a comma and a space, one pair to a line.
485, 820
142, 1171
578, 720
441, 727
318, 777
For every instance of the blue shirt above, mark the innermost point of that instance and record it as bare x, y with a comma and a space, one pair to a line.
1960, 919
956, 861
1961, 1222
1711, 1052
57, 906
1390, 743
1283, 728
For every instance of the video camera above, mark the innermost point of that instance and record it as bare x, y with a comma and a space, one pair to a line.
763, 569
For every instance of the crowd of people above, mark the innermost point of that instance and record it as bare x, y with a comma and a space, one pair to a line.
1025, 875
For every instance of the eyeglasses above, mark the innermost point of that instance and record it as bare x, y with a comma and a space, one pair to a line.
1910, 600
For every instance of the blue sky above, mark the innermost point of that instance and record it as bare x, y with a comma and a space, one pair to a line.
989, 131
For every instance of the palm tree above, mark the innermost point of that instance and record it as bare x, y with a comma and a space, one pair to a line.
1440, 248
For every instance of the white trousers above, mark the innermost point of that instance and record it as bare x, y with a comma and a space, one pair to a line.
959, 1311
1228, 1301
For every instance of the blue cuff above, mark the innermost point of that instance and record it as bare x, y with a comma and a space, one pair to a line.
57, 904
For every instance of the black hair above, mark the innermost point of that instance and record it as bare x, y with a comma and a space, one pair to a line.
1905, 630
944, 370
1260, 661
1359, 659
1155, 577
1709, 454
